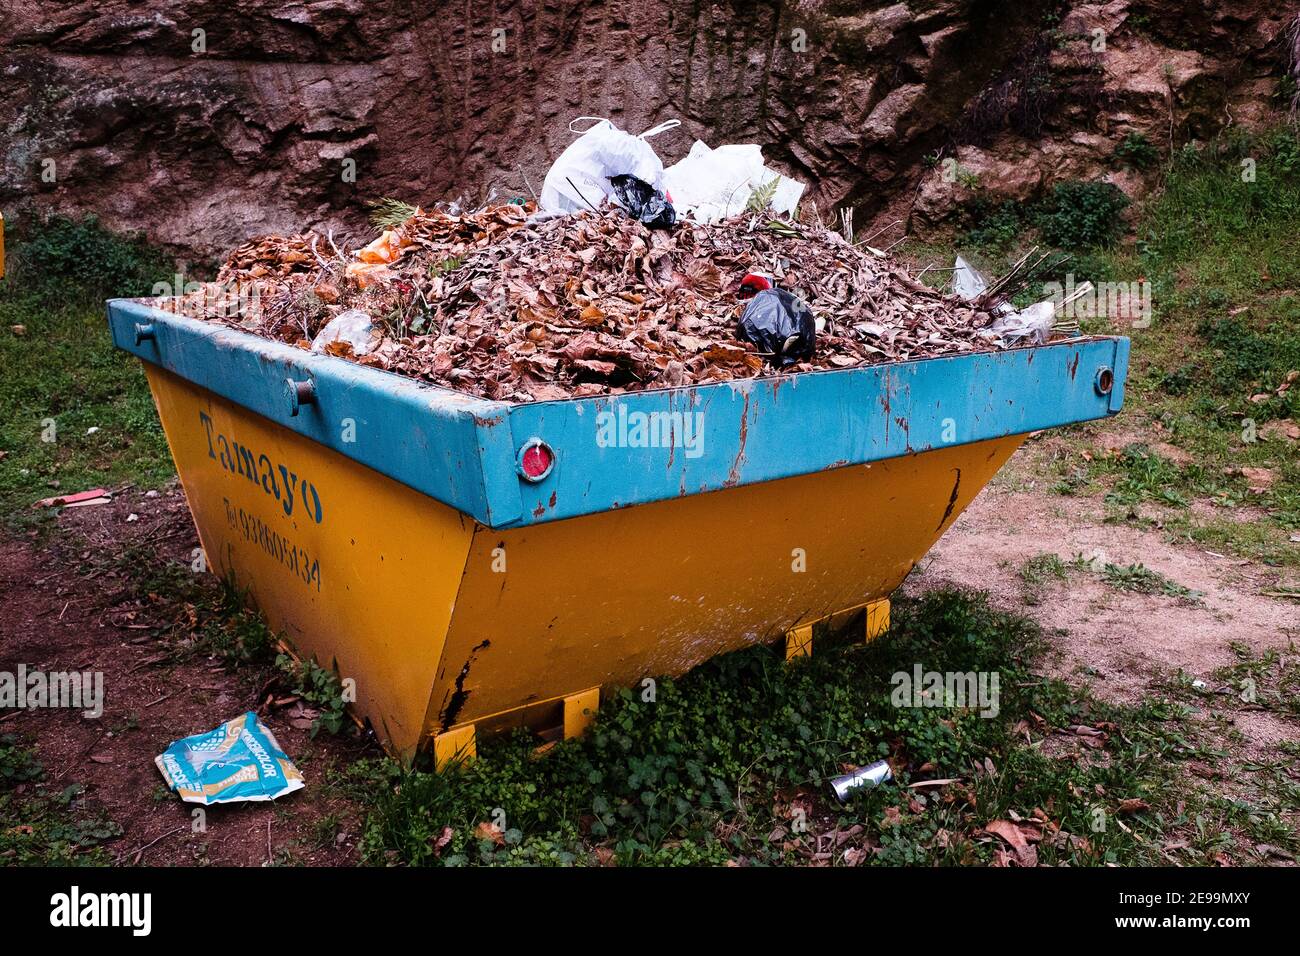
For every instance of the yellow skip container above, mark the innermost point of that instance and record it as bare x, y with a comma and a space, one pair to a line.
473, 565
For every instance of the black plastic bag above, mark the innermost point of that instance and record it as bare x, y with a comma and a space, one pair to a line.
780, 325
644, 202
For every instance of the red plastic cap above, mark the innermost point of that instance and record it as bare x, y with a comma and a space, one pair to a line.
754, 283
536, 460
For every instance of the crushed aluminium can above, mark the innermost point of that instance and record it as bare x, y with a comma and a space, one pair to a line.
240, 760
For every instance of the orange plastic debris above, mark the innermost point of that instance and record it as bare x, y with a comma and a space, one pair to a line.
387, 248
367, 273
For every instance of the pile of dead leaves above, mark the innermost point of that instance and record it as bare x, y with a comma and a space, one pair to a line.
514, 305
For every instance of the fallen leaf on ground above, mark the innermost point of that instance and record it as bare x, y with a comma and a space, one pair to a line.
1019, 837
442, 840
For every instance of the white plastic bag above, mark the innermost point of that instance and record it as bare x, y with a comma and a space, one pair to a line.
1037, 322
713, 184
579, 178
1033, 323
351, 326
967, 281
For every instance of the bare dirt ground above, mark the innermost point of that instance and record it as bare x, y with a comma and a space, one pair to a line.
1121, 640
1123, 645
73, 602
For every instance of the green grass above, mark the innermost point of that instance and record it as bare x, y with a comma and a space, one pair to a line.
63, 369
1043, 570
1040, 570
1142, 580
207, 617
215, 619
41, 826
320, 688
1219, 253
1136, 152
727, 763
1075, 216
1270, 679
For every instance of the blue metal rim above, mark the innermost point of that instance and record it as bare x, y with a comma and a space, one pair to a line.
640, 447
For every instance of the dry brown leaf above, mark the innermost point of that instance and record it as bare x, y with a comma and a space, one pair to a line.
442, 840
1019, 837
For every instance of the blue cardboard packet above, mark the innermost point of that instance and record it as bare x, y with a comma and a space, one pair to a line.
240, 760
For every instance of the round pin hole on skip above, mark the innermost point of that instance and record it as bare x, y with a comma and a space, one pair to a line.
1105, 380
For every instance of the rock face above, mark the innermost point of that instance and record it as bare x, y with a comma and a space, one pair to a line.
204, 122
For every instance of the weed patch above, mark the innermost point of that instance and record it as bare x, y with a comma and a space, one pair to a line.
320, 688
730, 764
44, 827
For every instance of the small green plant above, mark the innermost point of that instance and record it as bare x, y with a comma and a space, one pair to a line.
326, 829
54, 829
391, 213
1178, 381
1041, 569
994, 225
1142, 580
1284, 145
1079, 215
1244, 355
760, 197
1136, 152
1146, 476
233, 632
446, 265
1037, 572
1286, 91
320, 688
65, 257
18, 764
1270, 679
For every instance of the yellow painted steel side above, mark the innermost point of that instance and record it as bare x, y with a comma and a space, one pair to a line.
877, 618
387, 560
799, 642
455, 747
443, 623
610, 598
579, 711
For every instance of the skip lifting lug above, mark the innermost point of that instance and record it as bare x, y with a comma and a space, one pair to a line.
299, 394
